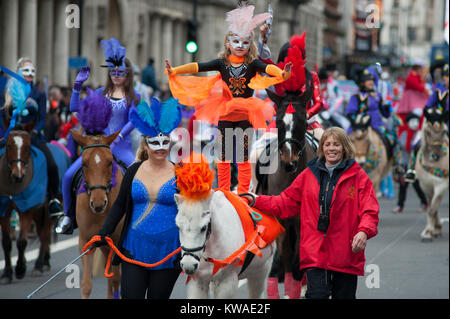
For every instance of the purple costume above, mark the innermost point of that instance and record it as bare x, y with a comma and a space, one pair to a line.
364, 103
121, 147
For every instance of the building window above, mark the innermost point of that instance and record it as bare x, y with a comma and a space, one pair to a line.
429, 34
411, 34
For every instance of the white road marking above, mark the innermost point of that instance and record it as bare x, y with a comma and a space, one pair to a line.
33, 254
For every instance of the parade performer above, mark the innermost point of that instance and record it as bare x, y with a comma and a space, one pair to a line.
146, 199
226, 99
438, 100
123, 98
369, 102
332, 243
27, 70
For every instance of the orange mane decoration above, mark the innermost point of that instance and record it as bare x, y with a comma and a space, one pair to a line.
194, 177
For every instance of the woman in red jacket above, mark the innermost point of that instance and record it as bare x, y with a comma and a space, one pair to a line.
338, 212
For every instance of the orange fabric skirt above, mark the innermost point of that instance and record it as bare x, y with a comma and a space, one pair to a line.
214, 102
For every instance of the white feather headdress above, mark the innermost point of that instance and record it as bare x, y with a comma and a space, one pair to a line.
242, 22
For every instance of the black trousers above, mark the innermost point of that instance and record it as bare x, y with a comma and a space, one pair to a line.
229, 151
139, 282
403, 187
323, 284
52, 169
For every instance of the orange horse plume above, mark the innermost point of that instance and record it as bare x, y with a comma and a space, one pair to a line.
194, 177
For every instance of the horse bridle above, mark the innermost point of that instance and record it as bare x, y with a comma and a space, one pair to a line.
17, 160
108, 186
191, 251
300, 145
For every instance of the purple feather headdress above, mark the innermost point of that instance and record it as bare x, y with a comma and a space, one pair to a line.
95, 113
114, 53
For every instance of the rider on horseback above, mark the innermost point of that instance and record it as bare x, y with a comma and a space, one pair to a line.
119, 91
439, 101
370, 102
26, 68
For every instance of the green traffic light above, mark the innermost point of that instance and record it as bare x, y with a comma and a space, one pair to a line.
191, 47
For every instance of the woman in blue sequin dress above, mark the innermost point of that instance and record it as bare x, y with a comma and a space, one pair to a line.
146, 202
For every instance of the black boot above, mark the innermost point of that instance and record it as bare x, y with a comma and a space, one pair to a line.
55, 209
64, 226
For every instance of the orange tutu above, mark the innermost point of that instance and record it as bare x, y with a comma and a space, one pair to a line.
213, 101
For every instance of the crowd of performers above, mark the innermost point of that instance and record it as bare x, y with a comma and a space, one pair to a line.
229, 99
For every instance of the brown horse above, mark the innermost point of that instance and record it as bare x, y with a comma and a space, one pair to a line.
16, 174
371, 152
289, 154
92, 206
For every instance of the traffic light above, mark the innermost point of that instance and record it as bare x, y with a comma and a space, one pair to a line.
191, 44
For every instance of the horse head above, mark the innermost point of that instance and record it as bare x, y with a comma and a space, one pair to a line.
97, 166
360, 136
291, 125
434, 132
194, 223
18, 154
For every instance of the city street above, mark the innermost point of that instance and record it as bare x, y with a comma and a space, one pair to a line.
407, 267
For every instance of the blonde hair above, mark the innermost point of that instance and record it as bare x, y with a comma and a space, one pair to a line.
341, 136
250, 56
141, 153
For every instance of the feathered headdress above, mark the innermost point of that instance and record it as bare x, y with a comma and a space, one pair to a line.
158, 118
19, 90
242, 22
95, 113
297, 55
194, 177
114, 53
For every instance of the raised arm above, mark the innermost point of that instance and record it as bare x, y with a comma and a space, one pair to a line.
82, 76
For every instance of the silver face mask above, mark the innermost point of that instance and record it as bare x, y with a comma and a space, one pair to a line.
28, 71
239, 42
160, 142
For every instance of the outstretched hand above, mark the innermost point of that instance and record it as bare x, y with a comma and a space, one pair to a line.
169, 69
83, 75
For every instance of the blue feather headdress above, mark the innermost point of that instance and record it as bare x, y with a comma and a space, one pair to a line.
114, 53
19, 90
158, 118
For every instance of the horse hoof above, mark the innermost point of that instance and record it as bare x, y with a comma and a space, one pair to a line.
426, 240
5, 280
20, 272
36, 273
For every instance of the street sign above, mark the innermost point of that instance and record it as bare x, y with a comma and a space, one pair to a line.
77, 62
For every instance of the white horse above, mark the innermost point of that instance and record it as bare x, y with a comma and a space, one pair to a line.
211, 228
432, 169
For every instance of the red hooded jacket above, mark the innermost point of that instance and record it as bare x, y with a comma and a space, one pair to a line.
354, 208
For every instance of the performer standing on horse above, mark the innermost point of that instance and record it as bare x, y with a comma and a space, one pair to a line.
226, 99
439, 101
26, 68
120, 92
146, 198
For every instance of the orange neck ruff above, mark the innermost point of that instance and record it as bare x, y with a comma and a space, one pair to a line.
236, 59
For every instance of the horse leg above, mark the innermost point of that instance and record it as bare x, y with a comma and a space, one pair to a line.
43, 228
197, 289
6, 277
226, 287
87, 262
25, 219
256, 280
434, 210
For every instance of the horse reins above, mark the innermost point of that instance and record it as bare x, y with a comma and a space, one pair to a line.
191, 251
108, 186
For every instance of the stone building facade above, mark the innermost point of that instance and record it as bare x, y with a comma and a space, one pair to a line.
148, 28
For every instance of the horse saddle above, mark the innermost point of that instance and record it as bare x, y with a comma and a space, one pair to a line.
253, 220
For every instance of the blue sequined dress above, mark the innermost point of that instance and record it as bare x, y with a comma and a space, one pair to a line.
152, 233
